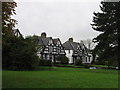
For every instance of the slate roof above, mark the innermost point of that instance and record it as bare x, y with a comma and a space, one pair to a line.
55, 40
70, 45
74, 46
67, 46
44, 41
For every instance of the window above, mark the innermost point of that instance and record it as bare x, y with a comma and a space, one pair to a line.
43, 57
86, 59
69, 51
50, 41
47, 57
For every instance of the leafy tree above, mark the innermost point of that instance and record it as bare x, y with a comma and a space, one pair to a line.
17, 53
8, 24
22, 54
107, 22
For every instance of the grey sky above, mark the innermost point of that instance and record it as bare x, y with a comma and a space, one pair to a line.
58, 19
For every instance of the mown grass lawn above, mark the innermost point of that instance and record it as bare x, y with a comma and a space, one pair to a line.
58, 77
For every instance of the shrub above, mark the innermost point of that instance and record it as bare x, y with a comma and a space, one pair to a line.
87, 65
20, 54
78, 62
45, 63
63, 59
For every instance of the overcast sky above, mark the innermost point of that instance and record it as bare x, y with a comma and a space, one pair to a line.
59, 19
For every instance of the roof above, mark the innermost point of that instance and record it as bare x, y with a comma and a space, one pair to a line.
17, 32
70, 45
44, 41
56, 40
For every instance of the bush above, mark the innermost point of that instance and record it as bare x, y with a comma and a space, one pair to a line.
20, 54
87, 65
78, 62
45, 63
63, 59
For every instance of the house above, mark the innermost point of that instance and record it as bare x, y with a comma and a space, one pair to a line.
17, 33
50, 48
76, 50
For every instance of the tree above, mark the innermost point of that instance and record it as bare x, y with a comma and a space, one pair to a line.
8, 24
107, 22
22, 54
18, 53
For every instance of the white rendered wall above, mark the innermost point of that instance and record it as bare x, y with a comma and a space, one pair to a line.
87, 61
69, 55
83, 59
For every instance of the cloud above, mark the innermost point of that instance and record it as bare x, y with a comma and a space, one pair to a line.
57, 19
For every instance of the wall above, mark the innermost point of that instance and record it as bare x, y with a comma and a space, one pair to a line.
69, 55
85, 59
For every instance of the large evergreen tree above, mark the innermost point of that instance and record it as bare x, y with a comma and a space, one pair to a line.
108, 23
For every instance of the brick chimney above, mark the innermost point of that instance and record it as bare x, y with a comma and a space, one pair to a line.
70, 40
43, 35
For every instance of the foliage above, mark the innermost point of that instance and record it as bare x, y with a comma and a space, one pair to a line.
21, 54
45, 63
8, 23
107, 22
17, 53
56, 77
63, 59
78, 62
87, 65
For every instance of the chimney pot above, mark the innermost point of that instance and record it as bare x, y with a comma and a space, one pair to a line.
43, 35
70, 39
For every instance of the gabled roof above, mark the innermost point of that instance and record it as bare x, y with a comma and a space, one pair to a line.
67, 46
70, 45
56, 40
76, 47
17, 32
44, 41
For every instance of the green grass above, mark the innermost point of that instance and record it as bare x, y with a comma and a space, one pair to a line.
103, 66
55, 77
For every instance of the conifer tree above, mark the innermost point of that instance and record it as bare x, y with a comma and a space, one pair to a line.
108, 23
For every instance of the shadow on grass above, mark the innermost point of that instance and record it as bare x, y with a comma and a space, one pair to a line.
45, 68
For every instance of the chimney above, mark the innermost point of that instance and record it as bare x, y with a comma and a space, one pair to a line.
43, 35
70, 39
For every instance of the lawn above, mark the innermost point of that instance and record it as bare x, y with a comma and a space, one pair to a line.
59, 77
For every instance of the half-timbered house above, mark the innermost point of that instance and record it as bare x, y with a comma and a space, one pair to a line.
76, 50
50, 48
17, 33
